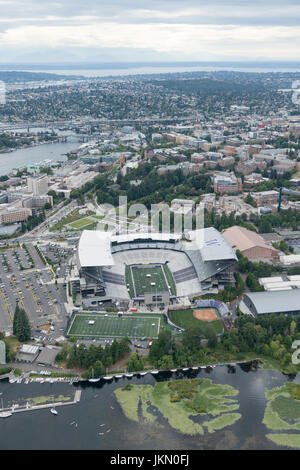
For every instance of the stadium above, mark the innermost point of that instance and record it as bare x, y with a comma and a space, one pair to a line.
150, 271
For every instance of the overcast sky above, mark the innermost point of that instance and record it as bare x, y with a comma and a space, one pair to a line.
152, 30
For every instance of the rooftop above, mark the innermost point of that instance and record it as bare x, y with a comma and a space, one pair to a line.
275, 301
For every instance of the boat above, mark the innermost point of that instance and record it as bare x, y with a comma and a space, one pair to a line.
94, 379
108, 377
185, 368
173, 370
129, 375
118, 376
195, 368
5, 414
53, 411
154, 372
143, 373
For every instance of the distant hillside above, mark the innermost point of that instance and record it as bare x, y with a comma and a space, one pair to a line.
19, 76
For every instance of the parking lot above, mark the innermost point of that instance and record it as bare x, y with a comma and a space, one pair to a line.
25, 278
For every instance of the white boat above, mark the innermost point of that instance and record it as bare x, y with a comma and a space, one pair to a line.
129, 375
195, 368
5, 414
154, 372
143, 373
173, 370
94, 379
185, 368
53, 411
118, 376
108, 377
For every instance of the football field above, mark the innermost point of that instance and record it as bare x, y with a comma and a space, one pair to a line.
149, 278
112, 326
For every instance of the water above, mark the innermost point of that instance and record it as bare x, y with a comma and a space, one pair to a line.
31, 155
127, 68
90, 73
99, 406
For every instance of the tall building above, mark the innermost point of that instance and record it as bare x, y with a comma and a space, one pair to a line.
38, 185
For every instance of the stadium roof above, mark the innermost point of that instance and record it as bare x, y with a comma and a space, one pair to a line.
94, 249
212, 244
280, 301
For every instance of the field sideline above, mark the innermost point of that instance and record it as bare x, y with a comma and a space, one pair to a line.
111, 326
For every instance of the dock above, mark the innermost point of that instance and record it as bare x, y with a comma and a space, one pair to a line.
27, 407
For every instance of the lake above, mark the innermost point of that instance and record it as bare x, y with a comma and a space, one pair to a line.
98, 405
31, 155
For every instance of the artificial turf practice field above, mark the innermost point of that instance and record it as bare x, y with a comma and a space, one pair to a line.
186, 318
112, 326
140, 277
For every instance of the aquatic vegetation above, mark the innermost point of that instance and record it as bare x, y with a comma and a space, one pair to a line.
178, 401
49, 399
283, 414
222, 421
287, 440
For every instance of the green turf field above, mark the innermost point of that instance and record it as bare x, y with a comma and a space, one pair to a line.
81, 223
111, 326
185, 319
140, 277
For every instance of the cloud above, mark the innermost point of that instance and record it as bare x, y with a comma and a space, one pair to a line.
161, 37
193, 28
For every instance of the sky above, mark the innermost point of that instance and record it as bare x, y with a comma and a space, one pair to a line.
55, 31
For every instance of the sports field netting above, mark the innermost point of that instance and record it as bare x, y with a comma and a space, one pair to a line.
112, 326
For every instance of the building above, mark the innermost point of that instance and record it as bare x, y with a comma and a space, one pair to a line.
198, 261
47, 355
27, 353
182, 206
38, 185
12, 215
226, 183
279, 301
263, 198
249, 243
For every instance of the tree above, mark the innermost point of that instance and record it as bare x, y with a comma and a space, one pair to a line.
21, 326
135, 363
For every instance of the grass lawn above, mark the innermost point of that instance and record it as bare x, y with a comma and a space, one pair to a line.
185, 319
81, 222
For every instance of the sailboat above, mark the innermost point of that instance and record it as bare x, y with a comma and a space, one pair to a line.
94, 379
4, 414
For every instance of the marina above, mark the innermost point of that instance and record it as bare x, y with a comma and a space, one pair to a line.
6, 412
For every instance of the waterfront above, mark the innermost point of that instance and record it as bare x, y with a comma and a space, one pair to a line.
31, 155
98, 422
